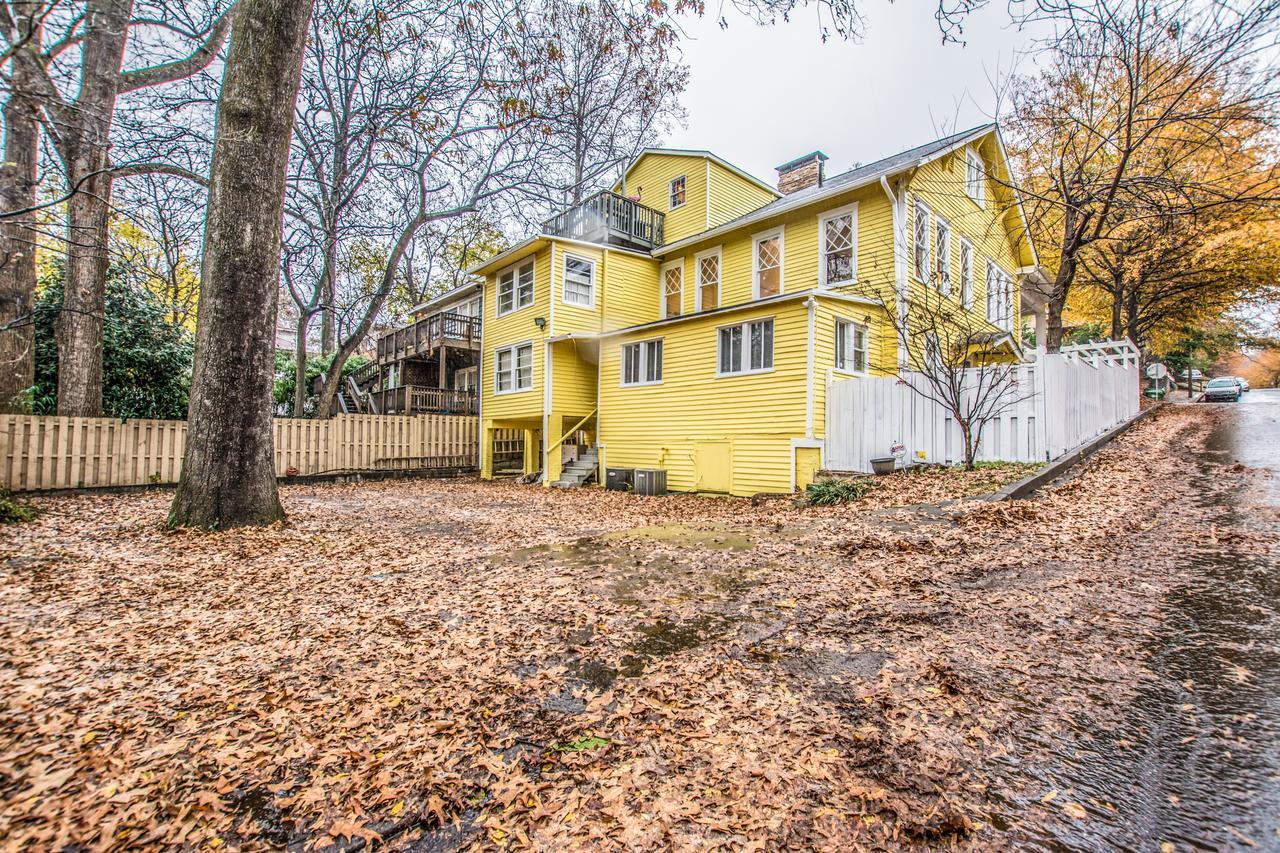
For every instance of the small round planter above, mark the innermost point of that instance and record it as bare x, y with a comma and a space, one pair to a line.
883, 464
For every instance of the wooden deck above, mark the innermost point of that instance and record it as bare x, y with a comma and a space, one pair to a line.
457, 331
416, 399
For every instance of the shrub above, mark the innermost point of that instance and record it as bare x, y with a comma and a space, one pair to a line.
837, 491
14, 511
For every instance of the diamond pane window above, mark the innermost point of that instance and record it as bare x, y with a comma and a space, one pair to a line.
672, 290
837, 249
708, 282
768, 267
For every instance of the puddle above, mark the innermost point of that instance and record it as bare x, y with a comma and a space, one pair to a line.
589, 550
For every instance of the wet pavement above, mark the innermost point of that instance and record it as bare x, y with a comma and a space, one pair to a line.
1195, 762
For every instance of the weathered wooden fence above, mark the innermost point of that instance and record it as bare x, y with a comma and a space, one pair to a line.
1052, 405
48, 452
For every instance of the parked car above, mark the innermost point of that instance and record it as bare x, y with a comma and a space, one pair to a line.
1244, 383
1222, 388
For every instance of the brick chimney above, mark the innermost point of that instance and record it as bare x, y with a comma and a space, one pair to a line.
801, 173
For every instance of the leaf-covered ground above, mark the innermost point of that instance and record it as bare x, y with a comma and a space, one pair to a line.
454, 663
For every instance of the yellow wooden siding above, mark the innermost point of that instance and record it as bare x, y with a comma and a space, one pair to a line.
568, 318
732, 196
630, 290
664, 425
800, 251
882, 349
573, 378
515, 327
651, 178
993, 229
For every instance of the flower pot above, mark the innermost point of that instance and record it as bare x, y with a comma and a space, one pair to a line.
883, 464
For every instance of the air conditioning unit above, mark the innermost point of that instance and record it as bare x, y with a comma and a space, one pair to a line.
619, 479
651, 481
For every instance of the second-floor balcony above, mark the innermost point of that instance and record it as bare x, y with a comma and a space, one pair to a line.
421, 338
607, 217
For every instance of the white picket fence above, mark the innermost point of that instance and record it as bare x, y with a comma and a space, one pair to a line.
1056, 403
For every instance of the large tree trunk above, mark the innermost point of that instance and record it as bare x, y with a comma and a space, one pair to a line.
85, 152
228, 473
1117, 306
18, 234
1055, 304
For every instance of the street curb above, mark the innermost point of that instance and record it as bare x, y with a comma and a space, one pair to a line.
1067, 461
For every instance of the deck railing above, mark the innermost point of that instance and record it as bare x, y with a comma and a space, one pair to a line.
418, 399
607, 217
460, 330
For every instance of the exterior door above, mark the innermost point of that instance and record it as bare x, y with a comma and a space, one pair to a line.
713, 466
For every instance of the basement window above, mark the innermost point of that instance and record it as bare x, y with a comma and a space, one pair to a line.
642, 363
745, 348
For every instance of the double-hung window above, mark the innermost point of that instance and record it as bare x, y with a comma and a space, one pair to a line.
745, 348
920, 243
942, 255
672, 288
515, 288
851, 346
642, 363
999, 297
579, 281
767, 264
708, 294
966, 273
676, 193
973, 177
513, 369
838, 232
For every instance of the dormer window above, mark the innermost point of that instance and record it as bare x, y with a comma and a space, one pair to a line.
676, 193
973, 177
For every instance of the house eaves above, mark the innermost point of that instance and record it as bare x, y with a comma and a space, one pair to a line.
744, 306
703, 154
853, 179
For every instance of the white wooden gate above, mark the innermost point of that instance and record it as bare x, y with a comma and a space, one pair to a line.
1056, 403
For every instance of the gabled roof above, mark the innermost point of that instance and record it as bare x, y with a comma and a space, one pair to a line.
702, 154
852, 179
448, 296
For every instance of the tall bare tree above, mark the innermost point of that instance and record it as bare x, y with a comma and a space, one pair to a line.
609, 91
228, 472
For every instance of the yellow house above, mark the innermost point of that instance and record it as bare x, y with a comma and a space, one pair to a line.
692, 318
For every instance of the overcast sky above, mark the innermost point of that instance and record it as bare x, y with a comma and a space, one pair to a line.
759, 96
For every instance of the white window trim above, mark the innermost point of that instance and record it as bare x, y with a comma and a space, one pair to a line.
780, 233
1000, 321
564, 280
822, 245
622, 383
866, 342
662, 288
915, 266
746, 350
943, 286
514, 367
514, 269
981, 198
966, 289
671, 185
716, 251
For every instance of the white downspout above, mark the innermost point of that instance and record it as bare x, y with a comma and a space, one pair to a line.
812, 305
899, 265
